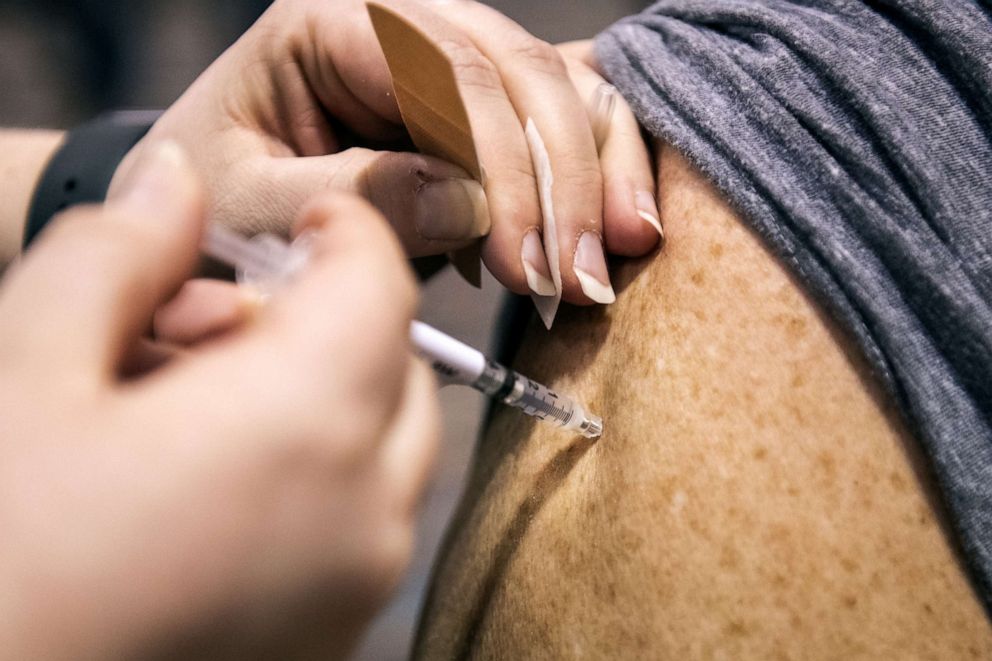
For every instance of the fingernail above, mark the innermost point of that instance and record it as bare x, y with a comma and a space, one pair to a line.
648, 210
536, 265
157, 183
601, 106
451, 210
590, 268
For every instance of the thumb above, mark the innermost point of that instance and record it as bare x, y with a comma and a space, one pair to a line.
89, 287
434, 207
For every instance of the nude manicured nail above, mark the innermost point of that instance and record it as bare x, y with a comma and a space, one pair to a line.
451, 210
590, 269
648, 211
156, 183
536, 265
601, 107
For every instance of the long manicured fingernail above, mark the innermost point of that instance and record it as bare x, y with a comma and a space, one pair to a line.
601, 106
451, 210
590, 268
157, 184
648, 211
536, 265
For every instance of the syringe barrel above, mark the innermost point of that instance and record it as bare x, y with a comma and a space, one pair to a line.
267, 261
541, 402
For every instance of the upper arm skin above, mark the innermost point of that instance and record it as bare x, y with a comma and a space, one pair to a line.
755, 494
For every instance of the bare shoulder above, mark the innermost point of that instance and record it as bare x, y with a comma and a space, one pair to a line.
754, 496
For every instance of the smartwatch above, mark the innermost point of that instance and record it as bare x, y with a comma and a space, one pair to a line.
82, 168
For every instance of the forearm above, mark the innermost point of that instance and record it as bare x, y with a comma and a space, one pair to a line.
23, 156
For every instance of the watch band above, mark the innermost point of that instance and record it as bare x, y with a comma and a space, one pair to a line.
82, 168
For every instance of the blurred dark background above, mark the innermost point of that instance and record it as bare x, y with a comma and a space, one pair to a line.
64, 61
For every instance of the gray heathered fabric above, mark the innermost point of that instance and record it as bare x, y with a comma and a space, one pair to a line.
855, 138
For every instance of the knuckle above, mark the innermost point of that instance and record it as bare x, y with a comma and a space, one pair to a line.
378, 179
471, 67
520, 199
348, 172
520, 185
327, 204
582, 173
538, 55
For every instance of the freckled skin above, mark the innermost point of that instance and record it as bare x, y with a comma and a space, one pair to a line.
755, 495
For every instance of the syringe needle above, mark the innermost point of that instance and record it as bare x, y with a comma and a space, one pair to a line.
457, 362
268, 260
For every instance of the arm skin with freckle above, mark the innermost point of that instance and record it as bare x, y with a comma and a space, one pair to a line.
755, 496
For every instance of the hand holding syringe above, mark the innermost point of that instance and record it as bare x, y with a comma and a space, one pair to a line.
267, 262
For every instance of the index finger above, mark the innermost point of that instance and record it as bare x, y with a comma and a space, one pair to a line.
537, 82
497, 134
349, 311
326, 357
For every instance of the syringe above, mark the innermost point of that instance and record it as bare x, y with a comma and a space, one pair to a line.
457, 362
267, 261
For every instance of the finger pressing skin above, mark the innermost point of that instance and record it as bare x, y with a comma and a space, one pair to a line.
537, 82
89, 287
433, 206
582, 50
328, 353
509, 180
631, 224
203, 309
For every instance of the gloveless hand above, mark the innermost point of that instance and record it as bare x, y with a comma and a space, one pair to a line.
303, 103
249, 495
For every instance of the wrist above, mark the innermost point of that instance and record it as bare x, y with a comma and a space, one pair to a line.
23, 158
80, 170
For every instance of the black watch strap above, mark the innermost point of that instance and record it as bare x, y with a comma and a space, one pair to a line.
81, 170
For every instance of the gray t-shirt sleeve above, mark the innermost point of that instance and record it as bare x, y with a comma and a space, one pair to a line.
855, 138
